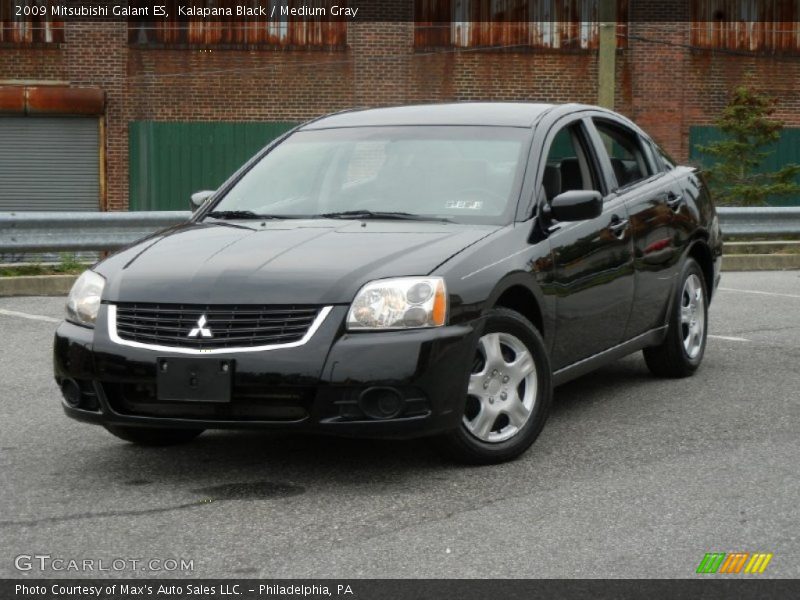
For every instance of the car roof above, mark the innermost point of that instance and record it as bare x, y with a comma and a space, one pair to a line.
498, 114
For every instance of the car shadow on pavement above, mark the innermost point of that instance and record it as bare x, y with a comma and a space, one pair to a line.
625, 375
276, 460
223, 465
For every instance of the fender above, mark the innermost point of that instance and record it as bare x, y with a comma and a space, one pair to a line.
545, 306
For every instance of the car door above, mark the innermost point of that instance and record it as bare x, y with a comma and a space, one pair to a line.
592, 275
651, 196
683, 198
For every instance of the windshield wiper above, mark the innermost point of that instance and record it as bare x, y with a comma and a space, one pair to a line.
369, 214
245, 214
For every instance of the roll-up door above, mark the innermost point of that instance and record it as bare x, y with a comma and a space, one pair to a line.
49, 163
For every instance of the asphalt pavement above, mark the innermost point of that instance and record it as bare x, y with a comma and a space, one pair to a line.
633, 476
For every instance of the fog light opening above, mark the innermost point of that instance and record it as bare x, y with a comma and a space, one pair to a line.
381, 402
71, 392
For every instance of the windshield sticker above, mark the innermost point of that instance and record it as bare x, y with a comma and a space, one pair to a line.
464, 204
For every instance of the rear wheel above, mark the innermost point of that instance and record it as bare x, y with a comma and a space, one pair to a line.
681, 352
509, 392
153, 436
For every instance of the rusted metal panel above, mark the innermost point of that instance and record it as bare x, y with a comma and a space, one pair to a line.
30, 29
12, 99
431, 20
557, 24
51, 100
750, 26
65, 100
230, 31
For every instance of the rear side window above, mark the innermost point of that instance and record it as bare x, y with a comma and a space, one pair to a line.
625, 152
666, 160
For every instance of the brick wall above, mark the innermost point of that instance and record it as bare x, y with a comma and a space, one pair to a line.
661, 84
667, 87
542, 76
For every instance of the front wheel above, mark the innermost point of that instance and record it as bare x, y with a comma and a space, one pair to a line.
508, 395
153, 436
681, 352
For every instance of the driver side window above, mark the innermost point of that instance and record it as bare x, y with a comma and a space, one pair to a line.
569, 166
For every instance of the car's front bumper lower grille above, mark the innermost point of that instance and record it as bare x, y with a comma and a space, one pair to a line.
247, 403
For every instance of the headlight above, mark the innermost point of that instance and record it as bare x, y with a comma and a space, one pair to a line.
84, 299
401, 303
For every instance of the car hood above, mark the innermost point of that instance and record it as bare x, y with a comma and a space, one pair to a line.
279, 262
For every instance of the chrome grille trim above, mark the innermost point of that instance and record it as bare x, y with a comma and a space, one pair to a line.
114, 335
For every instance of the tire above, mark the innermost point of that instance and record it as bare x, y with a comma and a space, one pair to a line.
153, 436
501, 420
681, 352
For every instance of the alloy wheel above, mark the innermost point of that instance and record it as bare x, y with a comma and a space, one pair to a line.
693, 315
502, 388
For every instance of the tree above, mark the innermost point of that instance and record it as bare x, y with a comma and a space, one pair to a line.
748, 127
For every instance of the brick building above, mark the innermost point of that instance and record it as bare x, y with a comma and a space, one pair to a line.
182, 106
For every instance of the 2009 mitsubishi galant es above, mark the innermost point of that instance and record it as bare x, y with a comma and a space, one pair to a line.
399, 272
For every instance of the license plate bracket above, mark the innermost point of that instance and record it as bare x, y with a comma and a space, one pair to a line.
194, 379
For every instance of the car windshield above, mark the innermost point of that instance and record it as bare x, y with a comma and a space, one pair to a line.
461, 174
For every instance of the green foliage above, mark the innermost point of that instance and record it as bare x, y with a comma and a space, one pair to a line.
748, 127
15, 271
70, 264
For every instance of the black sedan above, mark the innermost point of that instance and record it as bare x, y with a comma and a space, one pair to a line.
401, 272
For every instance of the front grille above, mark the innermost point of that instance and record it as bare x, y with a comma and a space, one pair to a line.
224, 326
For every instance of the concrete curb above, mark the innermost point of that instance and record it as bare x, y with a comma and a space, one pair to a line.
761, 247
36, 285
760, 262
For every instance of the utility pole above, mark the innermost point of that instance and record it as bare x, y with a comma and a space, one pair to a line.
607, 56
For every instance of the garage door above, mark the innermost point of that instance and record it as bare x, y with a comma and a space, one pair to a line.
49, 163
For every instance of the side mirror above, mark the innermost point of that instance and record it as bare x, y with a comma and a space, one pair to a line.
576, 205
197, 199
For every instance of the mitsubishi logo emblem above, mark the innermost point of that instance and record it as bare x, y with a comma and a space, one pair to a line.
201, 328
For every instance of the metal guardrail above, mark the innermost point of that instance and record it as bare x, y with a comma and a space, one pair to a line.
85, 231
762, 221
79, 231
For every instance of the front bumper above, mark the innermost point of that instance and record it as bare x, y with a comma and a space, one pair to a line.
330, 384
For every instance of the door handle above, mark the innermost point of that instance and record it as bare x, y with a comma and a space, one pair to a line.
674, 200
618, 226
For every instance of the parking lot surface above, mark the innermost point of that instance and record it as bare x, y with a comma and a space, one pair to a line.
633, 476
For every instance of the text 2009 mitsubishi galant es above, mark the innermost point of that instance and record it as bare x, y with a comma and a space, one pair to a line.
412, 271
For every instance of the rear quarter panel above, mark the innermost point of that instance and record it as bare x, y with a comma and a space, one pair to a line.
704, 224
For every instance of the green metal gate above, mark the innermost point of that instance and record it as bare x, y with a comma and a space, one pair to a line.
785, 151
170, 161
